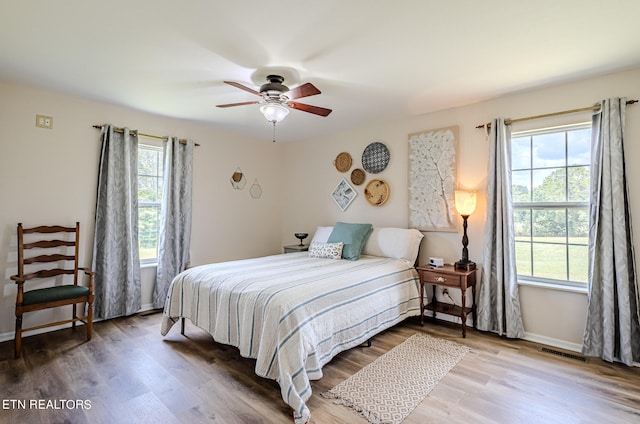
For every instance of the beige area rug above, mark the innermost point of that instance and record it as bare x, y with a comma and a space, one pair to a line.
388, 389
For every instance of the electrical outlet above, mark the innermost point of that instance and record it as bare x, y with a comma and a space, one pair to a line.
43, 121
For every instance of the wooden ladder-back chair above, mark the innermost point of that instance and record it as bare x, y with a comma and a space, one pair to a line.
56, 295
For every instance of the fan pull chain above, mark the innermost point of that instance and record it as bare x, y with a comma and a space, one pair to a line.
274, 131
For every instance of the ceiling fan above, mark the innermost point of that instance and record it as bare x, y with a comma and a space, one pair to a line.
277, 99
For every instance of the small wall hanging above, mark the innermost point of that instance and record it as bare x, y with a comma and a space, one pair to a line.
238, 180
343, 162
377, 192
357, 176
375, 157
343, 194
255, 190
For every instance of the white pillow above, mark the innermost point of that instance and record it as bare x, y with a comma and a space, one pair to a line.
322, 234
325, 250
399, 243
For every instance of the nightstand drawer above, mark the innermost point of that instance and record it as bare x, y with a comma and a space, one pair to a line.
440, 278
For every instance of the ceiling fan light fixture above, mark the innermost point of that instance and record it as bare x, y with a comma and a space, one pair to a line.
274, 112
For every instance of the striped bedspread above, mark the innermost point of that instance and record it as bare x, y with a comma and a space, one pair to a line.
293, 313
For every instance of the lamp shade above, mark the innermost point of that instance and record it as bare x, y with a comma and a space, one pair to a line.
465, 202
274, 112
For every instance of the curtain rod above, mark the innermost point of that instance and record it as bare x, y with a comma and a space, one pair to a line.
547, 115
157, 137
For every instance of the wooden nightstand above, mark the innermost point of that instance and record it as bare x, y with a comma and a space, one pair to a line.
295, 248
448, 277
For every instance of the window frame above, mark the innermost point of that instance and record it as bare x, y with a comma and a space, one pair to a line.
566, 206
159, 149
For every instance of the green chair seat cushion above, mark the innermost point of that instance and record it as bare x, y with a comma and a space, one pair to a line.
51, 294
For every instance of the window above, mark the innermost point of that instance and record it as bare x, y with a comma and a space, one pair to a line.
150, 165
550, 193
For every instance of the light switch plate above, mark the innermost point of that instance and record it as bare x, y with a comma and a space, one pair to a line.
43, 121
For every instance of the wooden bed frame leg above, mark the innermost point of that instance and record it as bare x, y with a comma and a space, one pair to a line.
182, 325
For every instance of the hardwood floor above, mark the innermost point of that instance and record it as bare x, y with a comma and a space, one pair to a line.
129, 373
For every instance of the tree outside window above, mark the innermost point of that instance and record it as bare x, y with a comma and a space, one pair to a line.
150, 167
550, 194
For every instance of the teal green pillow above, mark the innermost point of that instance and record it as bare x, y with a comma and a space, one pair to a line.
354, 236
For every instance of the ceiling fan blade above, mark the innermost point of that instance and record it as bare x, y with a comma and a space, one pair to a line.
304, 90
316, 110
242, 87
238, 104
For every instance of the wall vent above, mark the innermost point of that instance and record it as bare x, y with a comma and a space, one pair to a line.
564, 354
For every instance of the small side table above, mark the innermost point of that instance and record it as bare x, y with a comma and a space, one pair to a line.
295, 248
448, 277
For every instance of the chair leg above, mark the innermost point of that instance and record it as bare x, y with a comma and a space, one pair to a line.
18, 337
74, 316
89, 319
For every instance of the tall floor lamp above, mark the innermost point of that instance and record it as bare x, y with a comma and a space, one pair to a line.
465, 205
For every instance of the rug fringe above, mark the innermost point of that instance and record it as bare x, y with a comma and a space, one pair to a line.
370, 416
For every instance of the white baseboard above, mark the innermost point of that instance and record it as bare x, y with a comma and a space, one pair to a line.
10, 334
562, 344
147, 307
537, 338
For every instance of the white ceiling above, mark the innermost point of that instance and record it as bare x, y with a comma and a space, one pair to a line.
371, 59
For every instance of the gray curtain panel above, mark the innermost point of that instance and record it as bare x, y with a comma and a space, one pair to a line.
613, 330
175, 224
498, 299
115, 242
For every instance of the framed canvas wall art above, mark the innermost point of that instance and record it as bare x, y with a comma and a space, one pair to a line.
432, 179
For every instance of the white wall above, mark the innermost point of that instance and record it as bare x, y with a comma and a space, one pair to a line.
550, 316
296, 179
50, 177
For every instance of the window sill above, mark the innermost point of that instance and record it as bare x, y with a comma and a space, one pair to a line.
560, 287
149, 265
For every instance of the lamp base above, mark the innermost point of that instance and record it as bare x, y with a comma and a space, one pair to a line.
465, 265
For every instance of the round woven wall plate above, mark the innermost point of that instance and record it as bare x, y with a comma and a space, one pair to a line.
377, 192
375, 157
358, 176
343, 162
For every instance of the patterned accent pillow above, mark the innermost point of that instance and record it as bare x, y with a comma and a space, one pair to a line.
325, 250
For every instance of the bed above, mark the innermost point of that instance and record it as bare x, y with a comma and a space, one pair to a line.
294, 312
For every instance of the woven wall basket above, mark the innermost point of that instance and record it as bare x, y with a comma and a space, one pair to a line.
343, 162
